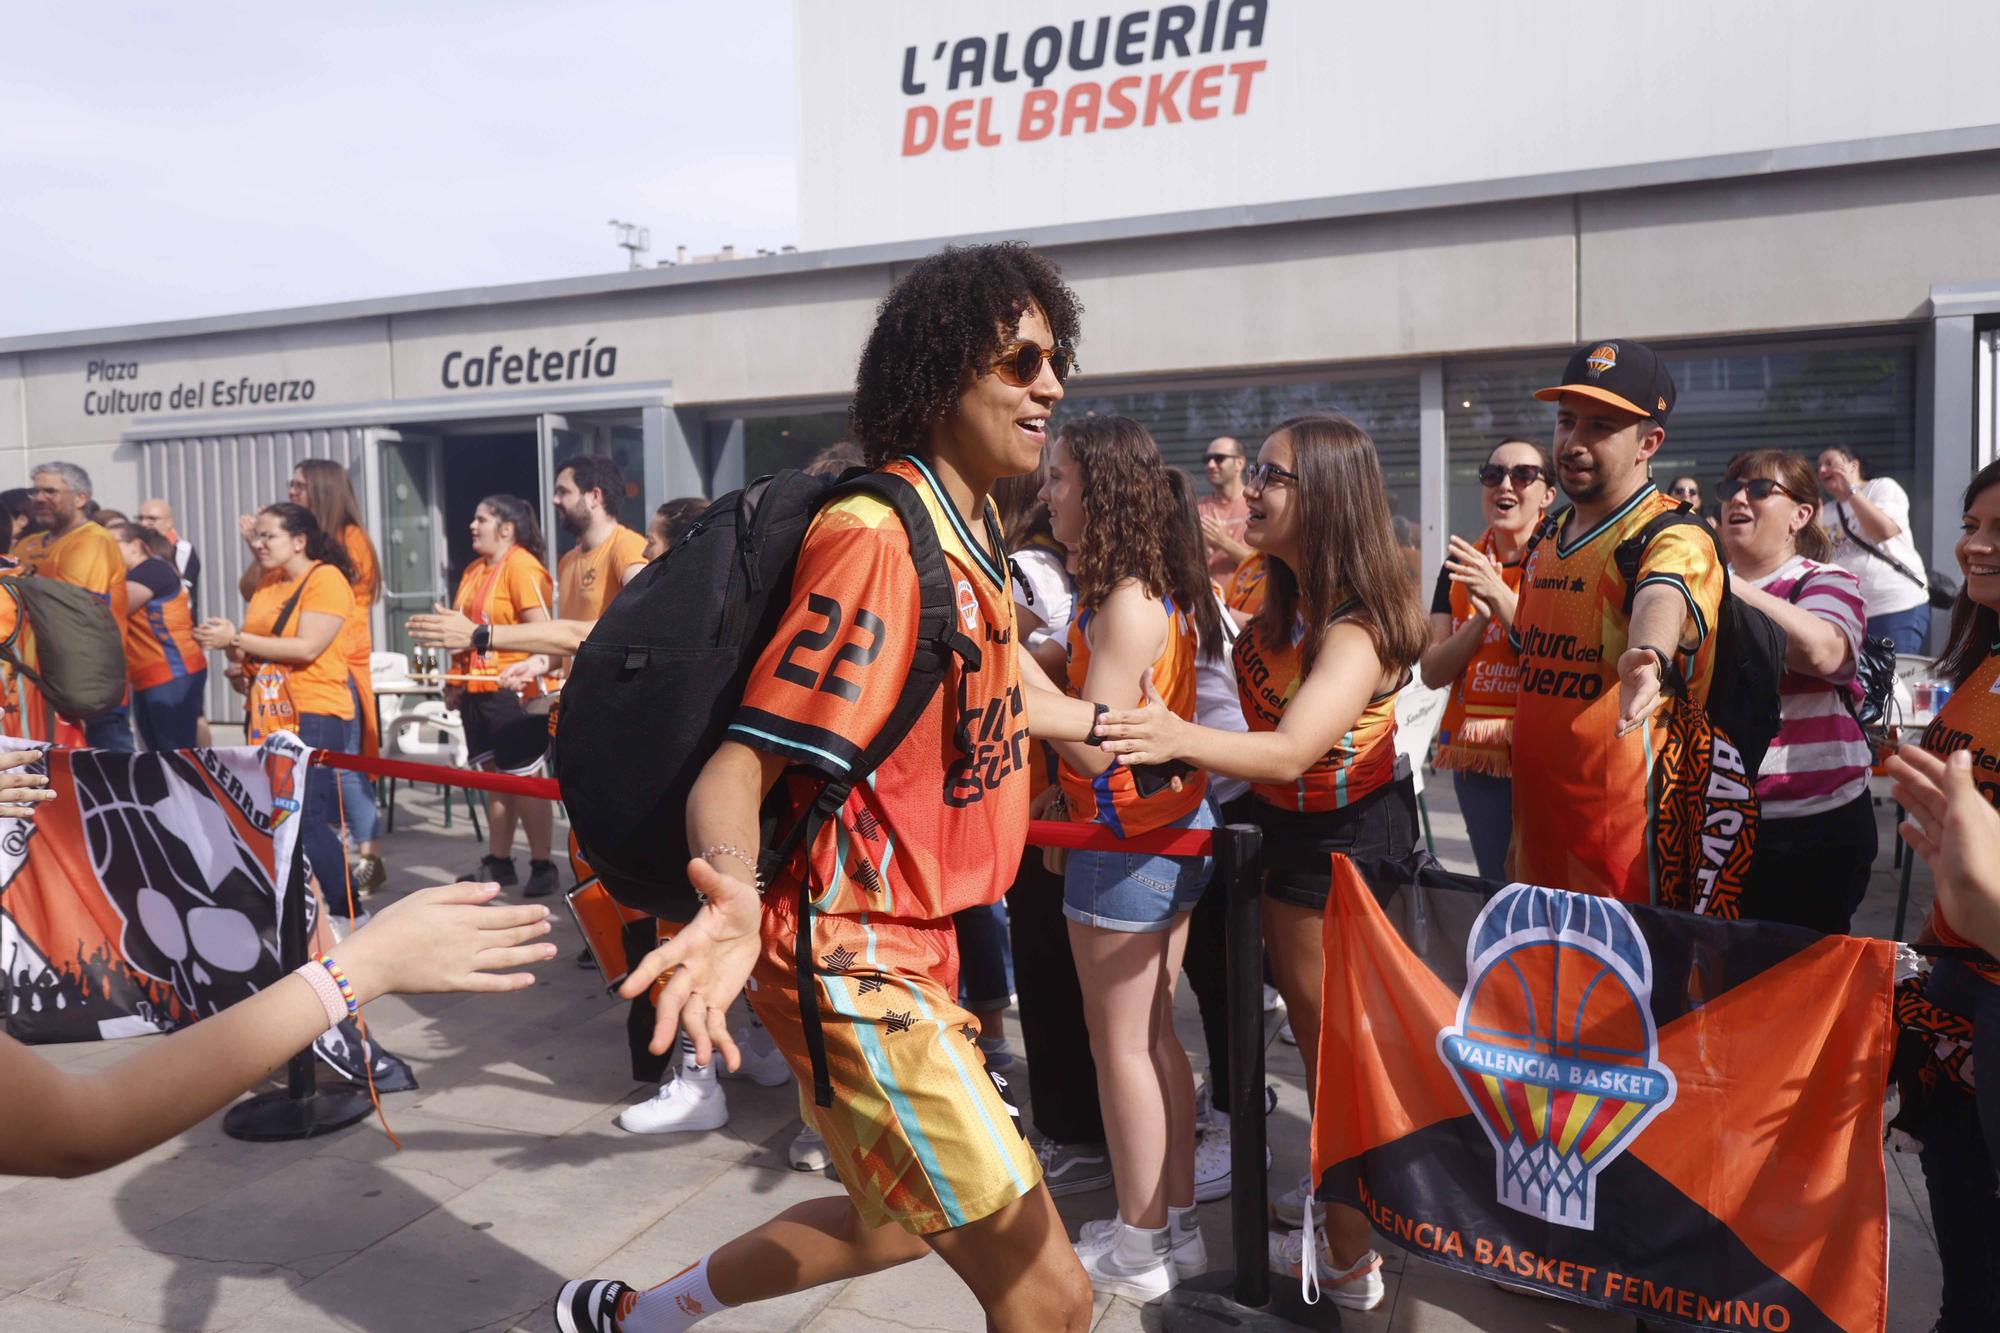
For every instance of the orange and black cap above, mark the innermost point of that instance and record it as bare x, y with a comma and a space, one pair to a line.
1628, 375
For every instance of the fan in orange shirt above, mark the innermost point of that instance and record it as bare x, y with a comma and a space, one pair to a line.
72, 549
167, 669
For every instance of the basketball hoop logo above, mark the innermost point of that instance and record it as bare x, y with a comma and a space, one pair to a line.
1555, 1049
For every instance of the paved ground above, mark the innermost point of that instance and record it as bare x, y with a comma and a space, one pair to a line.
512, 1177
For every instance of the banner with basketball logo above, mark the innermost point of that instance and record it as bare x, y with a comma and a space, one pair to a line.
147, 894
1675, 1117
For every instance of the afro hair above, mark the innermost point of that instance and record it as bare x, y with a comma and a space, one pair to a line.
947, 318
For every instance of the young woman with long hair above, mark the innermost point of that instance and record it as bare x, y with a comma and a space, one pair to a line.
506, 585
1960, 1124
1318, 669
1472, 611
1143, 606
1816, 825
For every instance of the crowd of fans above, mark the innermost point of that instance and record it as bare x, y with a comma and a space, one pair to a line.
1241, 653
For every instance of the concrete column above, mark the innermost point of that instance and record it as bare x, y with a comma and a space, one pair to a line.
1433, 472
673, 456
1951, 446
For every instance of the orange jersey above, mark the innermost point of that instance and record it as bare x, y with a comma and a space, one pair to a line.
1361, 761
1580, 812
499, 594
86, 557
1970, 720
1477, 731
940, 825
159, 638
1246, 586
357, 640
1114, 797
589, 580
320, 686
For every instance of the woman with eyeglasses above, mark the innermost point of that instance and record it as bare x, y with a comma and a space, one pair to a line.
1318, 669
1472, 611
1816, 831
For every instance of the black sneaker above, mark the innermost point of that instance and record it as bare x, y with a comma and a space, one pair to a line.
543, 879
1073, 1168
343, 1050
593, 1305
499, 869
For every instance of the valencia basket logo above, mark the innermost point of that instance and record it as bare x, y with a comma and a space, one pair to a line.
1555, 1049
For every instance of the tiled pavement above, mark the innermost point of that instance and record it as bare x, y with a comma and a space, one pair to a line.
512, 1177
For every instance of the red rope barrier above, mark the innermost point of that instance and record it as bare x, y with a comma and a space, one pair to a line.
1041, 832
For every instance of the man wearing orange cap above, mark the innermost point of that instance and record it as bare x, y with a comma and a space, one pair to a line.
1585, 731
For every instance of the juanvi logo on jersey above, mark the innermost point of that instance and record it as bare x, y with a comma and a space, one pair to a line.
1555, 1049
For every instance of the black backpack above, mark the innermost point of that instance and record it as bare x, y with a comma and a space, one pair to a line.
1750, 647
653, 689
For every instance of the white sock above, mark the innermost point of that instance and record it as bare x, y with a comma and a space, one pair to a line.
681, 1302
1137, 1247
1182, 1221
700, 1073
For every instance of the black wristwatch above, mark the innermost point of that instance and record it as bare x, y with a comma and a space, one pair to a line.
1093, 738
482, 638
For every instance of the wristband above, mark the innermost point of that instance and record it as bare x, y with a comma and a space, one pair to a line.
328, 991
1666, 663
482, 639
340, 980
1092, 738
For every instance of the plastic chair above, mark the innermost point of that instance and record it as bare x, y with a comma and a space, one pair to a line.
430, 731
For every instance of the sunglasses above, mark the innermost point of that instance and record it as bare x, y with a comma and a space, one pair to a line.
1220, 458
1020, 363
1757, 488
1524, 475
1261, 475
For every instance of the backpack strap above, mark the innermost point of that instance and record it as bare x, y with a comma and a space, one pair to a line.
939, 639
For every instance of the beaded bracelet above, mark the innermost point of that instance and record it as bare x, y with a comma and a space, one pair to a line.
340, 980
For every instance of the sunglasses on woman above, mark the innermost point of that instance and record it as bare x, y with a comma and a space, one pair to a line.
1020, 363
1261, 475
1524, 475
1757, 488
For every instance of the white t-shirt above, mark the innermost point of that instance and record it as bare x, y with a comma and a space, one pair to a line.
1217, 703
1884, 589
1045, 588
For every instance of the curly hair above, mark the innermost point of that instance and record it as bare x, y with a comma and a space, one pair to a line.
1134, 525
944, 321
1347, 549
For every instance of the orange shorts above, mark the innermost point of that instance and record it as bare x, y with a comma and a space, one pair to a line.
919, 1130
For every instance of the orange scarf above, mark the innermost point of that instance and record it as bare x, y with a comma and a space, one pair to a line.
1477, 733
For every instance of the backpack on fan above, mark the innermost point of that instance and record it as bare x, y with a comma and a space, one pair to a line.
654, 687
1750, 647
78, 656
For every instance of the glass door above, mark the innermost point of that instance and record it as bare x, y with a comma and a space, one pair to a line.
412, 545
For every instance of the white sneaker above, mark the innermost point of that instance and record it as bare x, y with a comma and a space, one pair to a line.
686, 1105
1185, 1245
1272, 1000
1358, 1288
809, 1151
763, 1063
1290, 1207
1146, 1280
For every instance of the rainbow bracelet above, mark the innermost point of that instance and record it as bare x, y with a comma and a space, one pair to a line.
340, 980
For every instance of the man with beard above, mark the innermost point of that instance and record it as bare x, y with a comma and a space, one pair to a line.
1585, 733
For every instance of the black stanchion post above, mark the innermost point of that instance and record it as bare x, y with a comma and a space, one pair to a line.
1244, 1300
301, 1111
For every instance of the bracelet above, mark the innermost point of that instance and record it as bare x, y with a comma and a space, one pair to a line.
340, 980
328, 991
1666, 664
1091, 737
737, 854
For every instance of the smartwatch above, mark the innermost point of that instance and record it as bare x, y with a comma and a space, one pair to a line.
482, 638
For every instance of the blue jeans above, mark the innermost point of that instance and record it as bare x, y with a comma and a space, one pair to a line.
1487, 803
110, 731
356, 791
166, 713
985, 979
1906, 629
1136, 891
319, 813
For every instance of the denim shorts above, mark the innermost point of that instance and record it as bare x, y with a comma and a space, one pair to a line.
1135, 891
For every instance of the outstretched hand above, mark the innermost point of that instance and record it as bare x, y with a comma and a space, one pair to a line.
706, 964
1152, 734
1639, 693
443, 627
1957, 833
449, 937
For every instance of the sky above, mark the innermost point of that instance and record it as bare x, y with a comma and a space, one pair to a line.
167, 161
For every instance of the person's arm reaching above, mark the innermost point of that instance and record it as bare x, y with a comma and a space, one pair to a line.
1328, 703
1814, 645
438, 939
1052, 715
446, 628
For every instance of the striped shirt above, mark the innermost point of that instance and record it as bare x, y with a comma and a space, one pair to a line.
1820, 759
